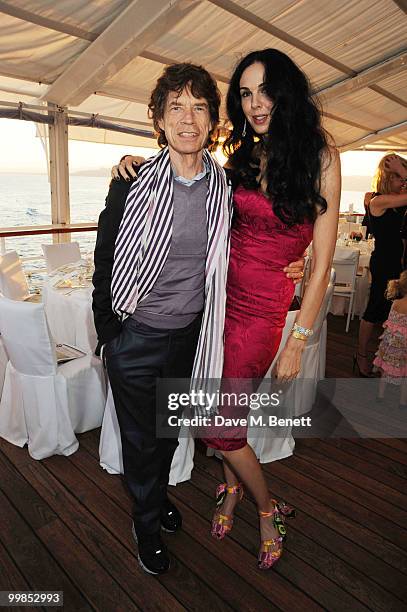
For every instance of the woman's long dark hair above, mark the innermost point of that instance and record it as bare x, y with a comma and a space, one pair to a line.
294, 143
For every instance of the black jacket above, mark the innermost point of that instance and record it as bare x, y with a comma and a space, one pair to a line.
107, 323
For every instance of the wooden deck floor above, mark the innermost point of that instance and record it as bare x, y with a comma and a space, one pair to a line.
65, 525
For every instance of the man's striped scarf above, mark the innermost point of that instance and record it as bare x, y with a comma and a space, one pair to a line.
143, 243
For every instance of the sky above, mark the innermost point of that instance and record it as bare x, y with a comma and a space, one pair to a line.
22, 151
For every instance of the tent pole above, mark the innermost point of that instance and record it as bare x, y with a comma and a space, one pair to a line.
59, 170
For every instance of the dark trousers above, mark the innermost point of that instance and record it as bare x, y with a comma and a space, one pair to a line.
135, 359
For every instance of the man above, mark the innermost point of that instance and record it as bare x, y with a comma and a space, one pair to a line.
160, 279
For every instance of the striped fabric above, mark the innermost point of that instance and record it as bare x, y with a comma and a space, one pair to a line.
143, 244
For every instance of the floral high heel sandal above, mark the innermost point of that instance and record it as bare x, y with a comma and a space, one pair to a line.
272, 549
223, 523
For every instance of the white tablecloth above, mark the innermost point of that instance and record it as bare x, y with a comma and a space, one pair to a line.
365, 248
69, 308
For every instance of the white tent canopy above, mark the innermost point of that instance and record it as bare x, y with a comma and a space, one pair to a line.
104, 56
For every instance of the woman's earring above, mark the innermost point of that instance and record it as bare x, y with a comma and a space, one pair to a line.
244, 129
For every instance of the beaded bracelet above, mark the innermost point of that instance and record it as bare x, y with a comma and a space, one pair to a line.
301, 333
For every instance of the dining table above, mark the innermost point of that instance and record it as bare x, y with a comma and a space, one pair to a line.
67, 296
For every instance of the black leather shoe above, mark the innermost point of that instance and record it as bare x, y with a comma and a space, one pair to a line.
152, 553
171, 519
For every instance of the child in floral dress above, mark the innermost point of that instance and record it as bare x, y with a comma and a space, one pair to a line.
391, 357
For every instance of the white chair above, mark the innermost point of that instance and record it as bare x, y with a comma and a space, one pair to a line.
43, 403
278, 443
313, 359
57, 255
110, 447
343, 227
346, 263
272, 444
13, 283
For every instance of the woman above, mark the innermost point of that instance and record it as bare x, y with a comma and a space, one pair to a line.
391, 357
287, 187
398, 164
385, 213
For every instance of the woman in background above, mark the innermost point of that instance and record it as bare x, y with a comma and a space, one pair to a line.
385, 213
391, 357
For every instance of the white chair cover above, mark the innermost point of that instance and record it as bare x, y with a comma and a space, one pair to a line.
278, 443
343, 227
70, 317
313, 359
3, 365
300, 287
13, 283
42, 403
346, 263
110, 447
270, 445
57, 255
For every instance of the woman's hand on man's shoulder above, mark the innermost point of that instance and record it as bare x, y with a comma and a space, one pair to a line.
127, 167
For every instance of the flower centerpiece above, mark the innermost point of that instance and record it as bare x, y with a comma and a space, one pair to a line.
357, 236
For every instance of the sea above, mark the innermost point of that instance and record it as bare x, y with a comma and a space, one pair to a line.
25, 200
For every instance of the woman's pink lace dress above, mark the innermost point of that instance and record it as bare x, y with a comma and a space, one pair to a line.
258, 292
391, 357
